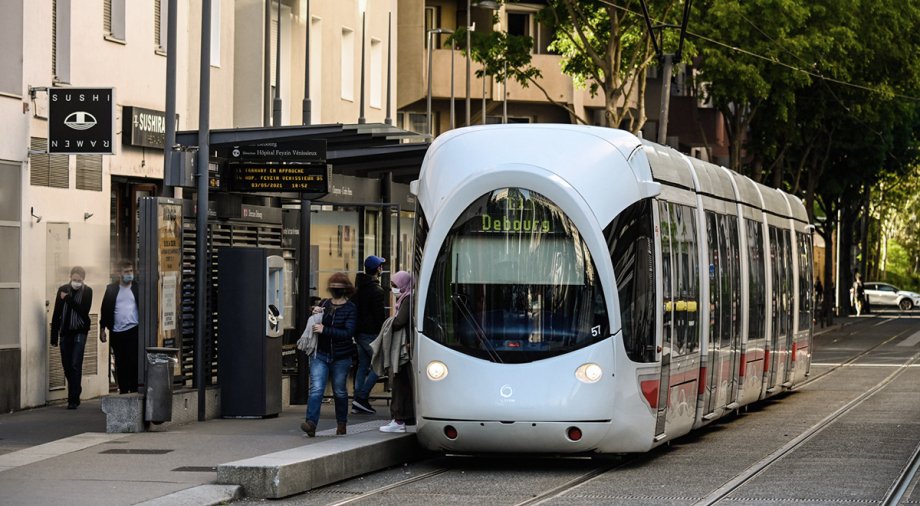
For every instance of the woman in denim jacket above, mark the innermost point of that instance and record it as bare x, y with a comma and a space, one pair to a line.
335, 347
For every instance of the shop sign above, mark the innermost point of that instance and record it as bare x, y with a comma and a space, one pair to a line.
144, 128
80, 120
301, 178
303, 151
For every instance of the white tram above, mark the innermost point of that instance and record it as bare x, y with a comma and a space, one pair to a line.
581, 290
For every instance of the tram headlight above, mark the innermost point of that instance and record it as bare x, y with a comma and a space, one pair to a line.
436, 370
589, 373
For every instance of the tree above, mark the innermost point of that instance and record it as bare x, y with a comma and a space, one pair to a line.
604, 46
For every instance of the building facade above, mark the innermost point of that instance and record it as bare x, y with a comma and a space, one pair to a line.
61, 210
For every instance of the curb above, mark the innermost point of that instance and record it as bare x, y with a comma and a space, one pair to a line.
202, 495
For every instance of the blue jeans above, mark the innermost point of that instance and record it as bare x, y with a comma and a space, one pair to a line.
320, 366
72, 348
365, 377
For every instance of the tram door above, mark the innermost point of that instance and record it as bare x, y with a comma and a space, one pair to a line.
782, 309
680, 328
722, 374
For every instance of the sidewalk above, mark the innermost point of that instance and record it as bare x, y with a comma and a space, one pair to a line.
47, 457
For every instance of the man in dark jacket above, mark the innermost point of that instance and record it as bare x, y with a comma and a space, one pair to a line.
69, 326
370, 299
120, 316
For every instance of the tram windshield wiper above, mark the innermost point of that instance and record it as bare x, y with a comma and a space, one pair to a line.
480, 334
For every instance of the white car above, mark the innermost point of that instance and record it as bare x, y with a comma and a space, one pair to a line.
883, 294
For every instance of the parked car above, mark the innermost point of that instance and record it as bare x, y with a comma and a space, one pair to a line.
883, 294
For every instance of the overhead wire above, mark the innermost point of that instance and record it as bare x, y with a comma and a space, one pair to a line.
776, 61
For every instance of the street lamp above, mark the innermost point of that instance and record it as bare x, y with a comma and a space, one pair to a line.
362, 6
439, 31
492, 6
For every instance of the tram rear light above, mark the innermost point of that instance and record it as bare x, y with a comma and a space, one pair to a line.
589, 373
650, 391
436, 370
450, 432
573, 433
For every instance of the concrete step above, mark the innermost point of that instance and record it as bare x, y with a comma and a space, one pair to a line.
365, 449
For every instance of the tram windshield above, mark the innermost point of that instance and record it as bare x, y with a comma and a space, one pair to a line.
514, 282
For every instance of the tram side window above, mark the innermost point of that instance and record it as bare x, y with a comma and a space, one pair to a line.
715, 306
631, 241
686, 274
666, 227
756, 293
806, 289
734, 283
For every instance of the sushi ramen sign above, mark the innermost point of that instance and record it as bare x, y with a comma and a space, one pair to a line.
80, 120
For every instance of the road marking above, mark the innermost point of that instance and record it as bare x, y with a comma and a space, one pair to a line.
884, 321
912, 340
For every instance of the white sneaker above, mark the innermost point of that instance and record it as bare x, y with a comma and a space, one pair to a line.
393, 426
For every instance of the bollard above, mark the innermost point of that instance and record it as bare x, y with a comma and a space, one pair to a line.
161, 363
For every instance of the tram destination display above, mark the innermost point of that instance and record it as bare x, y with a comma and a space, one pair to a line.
302, 178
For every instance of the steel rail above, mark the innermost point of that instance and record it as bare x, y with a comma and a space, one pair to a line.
755, 470
901, 486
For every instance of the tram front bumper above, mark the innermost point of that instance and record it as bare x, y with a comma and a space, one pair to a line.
472, 436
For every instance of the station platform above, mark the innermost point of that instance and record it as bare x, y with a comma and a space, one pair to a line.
51, 455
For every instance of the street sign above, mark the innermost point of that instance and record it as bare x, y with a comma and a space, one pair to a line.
80, 120
303, 151
302, 178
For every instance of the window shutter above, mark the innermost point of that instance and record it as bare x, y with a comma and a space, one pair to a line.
48, 170
107, 17
89, 172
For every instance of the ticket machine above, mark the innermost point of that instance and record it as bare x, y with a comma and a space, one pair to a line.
250, 325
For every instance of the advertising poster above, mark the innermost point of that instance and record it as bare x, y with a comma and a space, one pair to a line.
169, 263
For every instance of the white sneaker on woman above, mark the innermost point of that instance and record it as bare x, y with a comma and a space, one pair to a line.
393, 426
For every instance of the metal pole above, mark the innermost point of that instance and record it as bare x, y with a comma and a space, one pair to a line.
468, 77
168, 158
428, 106
389, 119
668, 63
837, 271
452, 107
307, 107
483, 98
361, 119
276, 105
201, 227
505, 95
303, 299
267, 67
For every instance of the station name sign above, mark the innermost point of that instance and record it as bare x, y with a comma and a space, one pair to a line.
80, 120
144, 128
301, 178
303, 151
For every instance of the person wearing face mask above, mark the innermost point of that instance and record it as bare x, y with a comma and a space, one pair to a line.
402, 405
120, 317
370, 300
69, 326
335, 346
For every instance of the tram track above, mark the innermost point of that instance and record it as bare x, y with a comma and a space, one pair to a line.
854, 358
900, 486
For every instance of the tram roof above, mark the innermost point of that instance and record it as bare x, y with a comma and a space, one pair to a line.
364, 150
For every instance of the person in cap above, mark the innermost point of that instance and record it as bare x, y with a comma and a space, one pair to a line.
335, 346
370, 299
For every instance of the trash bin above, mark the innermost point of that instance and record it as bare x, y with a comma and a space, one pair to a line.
161, 364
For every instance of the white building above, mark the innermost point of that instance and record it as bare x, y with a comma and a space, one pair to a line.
57, 211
